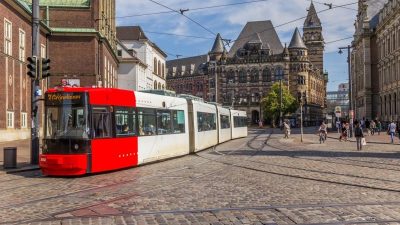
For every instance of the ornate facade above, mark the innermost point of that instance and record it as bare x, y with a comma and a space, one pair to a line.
245, 74
388, 51
375, 60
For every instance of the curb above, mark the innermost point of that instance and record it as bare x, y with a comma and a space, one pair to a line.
22, 169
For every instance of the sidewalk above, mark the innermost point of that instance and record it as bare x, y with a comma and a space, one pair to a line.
23, 155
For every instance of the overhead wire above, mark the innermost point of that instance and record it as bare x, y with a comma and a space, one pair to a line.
187, 17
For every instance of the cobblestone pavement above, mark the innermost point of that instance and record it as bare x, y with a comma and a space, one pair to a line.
261, 179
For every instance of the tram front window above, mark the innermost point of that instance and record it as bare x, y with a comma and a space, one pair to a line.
66, 122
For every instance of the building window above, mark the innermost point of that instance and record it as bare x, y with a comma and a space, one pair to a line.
242, 76
254, 76
155, 66
24, 119
119, 52
266, 75
7, 37
10, 119
21, 45
43, 51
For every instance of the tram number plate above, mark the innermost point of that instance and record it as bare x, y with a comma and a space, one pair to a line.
43, 159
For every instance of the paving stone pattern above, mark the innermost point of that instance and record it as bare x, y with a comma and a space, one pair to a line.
261, 179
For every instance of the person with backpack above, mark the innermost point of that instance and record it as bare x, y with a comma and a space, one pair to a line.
358, 133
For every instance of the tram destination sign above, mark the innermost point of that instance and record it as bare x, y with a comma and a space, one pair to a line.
60, 98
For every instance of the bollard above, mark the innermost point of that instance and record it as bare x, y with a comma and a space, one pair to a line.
10, 158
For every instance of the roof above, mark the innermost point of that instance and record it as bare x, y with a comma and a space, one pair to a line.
62, 3
266, 32
196, 60
131, 33
218, 46
297, 41
312, 19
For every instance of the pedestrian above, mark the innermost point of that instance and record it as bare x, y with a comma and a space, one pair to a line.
392, 131
368, 126
260, 124
379, 127
338, 126
286, 128
347, 131
358, 133
373, 127
323, 132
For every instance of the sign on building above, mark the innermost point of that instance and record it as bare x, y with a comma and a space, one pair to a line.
338, 111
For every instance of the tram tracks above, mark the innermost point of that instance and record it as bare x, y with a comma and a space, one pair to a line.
242, 164
127, 196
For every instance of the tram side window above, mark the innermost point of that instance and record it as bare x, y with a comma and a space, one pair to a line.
125, 122
178, 121
101, 122
164, 125
240, 121
225, 122
147, 121
206, 121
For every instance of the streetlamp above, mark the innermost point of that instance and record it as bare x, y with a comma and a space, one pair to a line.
351, 113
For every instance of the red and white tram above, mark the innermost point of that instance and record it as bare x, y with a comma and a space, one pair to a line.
92, 130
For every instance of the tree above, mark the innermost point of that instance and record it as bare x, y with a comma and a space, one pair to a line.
271, 102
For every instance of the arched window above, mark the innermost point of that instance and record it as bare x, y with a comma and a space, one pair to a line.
159, 68
155, 66
163, 87
254, 76
163, 70
242, 76
155, 85
159, 86
266, 75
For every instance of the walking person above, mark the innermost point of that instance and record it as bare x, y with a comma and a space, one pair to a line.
392, 131
379, 127
323, 133
373, 127
286, 128
358, 133
368, 126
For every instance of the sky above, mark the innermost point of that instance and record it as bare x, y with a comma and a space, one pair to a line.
337, 23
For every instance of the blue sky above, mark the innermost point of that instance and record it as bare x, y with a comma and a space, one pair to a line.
229, 21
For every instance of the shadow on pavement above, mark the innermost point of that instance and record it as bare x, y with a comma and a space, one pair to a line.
316, 153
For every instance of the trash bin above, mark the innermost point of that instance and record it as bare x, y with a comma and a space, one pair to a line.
10, 158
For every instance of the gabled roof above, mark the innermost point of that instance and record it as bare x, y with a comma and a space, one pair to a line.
135, 33
312, 19
266, 33
196, 60
218, 46
131, 33
297, 41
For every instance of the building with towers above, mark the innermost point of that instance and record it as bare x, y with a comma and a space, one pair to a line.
242, 76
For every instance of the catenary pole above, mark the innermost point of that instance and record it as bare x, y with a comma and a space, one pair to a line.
35, 84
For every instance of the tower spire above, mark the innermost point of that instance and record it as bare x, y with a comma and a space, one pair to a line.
312, 19
297, 41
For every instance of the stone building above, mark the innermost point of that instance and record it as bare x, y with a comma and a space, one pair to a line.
190, 76
245, 74
366, 74
134, 39
388, 51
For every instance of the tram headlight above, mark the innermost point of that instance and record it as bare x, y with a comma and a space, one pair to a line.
76, 146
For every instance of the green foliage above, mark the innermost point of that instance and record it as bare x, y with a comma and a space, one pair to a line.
271, 102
